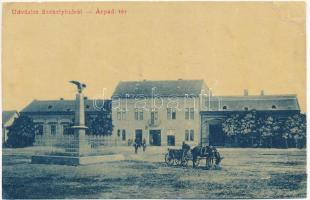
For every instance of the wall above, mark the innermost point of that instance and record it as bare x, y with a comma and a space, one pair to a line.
179, 125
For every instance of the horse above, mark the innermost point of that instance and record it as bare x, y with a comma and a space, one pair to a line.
210, 153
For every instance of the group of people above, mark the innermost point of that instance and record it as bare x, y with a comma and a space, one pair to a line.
137, 144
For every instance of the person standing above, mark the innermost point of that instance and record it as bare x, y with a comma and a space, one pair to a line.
144, 144
136, 145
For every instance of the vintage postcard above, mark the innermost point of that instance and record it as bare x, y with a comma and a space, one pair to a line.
154, 100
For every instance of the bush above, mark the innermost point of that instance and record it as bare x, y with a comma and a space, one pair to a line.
21, 133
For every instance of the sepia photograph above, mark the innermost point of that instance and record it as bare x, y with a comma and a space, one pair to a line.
154, 100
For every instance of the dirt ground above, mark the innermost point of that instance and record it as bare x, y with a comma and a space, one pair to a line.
245, 173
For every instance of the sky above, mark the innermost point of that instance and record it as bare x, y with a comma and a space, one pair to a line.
232, 46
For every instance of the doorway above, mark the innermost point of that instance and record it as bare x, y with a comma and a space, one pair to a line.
139, 135
155, 137
216, 135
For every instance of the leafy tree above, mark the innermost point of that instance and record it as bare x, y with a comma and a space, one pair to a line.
248, 129
295, 128
21, 133
269, 128
99, 125
231, 126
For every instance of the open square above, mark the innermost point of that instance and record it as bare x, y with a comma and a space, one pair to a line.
245, 173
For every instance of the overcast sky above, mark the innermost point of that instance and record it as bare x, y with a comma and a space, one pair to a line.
232, 46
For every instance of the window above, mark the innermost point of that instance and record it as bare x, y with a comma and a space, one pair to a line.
66, 129
189, 113
138, 114
171, 113
141, 115
154, 117
53, 129
121, 114
124, 135
186, 135
274, 107
118, 133
171, 140
224, 107
39, 130
189, 135
246, 108
50, 107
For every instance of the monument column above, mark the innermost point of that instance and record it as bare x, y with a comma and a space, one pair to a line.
81, 142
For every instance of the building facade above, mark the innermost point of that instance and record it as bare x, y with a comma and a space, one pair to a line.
170, 112
218, 108
55, 117
161, 112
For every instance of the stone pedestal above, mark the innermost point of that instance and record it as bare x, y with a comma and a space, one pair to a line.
82, 146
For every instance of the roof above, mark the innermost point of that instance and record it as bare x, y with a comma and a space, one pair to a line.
166, 88
63, 105
7, 115
262, 102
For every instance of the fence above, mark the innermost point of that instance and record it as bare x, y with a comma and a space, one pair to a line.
70, 143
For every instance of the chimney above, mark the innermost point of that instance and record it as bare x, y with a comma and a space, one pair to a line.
246, 92
262, 93
210, 93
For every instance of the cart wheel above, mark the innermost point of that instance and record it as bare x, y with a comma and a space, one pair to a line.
169, 159
178, 161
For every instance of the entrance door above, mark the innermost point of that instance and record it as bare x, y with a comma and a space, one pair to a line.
139, 135
155, 137
216, 137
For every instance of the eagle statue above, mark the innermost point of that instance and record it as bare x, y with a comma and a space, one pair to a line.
80, 86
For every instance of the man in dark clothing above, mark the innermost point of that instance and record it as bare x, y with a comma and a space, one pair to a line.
218, 159
185, 149
136, 145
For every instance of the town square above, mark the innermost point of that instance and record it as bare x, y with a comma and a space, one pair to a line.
154, 100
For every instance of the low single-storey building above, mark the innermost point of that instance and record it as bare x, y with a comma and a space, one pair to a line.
8, 118
220, 107
55, 117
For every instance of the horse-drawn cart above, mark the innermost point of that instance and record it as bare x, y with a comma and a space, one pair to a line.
182, 156
178, 157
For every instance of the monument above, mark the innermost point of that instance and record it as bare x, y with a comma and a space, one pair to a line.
76, 148
82, 147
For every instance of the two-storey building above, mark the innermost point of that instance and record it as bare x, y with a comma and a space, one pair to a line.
161, 112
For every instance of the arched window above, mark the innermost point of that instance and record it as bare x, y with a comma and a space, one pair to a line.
224, 107
274, 107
